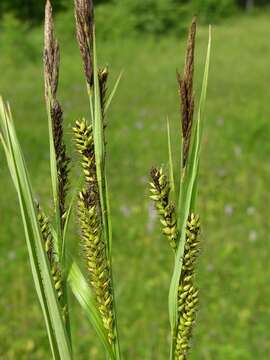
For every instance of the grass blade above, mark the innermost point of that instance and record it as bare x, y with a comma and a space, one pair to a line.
83, 294
68, 214
38, 259
111, 96
99, 144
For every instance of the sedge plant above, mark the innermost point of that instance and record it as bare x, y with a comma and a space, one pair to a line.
53, 269
93, 201
176, 205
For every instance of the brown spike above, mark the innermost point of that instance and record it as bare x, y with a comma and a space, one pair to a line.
51, 53
51, 73
185, 86
84, 16
189, 64
62, 160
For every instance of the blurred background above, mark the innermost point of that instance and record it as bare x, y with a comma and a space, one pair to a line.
147, 39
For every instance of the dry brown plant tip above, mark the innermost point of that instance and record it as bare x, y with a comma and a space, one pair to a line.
51, 54
84, 16
62, 160
51, 73
186, 95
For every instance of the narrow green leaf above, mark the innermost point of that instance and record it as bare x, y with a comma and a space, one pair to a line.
108, 215
201, 111
68, 214
59, 239
5, 139
38, 258
90, 97
99, 145
111, 96
83, 294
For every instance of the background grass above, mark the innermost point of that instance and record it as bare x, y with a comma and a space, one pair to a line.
233, 271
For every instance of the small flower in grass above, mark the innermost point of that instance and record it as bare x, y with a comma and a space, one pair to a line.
11, 255
251, 210
253, 235
139, 125
228, 209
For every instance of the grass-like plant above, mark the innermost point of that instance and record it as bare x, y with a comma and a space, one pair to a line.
179, 220
93, 202
53, 268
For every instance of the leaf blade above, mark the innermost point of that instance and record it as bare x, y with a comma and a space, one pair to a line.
38, 259
85, 298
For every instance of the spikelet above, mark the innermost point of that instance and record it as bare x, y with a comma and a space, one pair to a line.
187, 292
186, 95
84, 16
160, 192
62, 160
51, 54
91, 228
54, 264
51, 74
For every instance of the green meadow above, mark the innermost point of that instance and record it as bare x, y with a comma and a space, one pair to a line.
234, 190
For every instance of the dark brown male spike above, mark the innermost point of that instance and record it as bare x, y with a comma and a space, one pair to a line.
51, 74
84, 16
51, 53
186, 94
